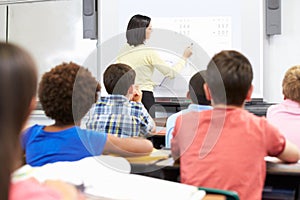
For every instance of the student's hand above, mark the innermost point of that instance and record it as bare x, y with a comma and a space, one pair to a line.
66, 191
187, 52
137, 94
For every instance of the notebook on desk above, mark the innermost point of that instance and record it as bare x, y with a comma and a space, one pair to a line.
155, 156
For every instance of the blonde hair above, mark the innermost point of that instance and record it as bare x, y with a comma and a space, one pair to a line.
291, 84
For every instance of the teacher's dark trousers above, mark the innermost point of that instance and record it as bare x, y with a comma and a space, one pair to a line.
149, 102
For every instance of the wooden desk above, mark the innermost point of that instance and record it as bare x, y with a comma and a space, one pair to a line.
279, 175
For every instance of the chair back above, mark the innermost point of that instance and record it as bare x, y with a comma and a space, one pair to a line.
230, 195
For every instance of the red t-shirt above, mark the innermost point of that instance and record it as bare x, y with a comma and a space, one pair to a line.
225, 149
31, 189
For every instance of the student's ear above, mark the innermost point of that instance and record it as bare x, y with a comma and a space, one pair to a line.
130, 90
32, 105
207, 92
188, 95
249, 94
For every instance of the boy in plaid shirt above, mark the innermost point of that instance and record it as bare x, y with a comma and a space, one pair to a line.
121, 113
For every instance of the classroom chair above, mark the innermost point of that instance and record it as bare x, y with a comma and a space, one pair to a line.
230, 195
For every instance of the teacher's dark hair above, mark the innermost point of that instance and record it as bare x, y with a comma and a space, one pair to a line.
136, 29
18, 83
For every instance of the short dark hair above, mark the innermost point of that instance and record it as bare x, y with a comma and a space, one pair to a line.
136, 29
118, 78
196, 90
67, 92
229, 77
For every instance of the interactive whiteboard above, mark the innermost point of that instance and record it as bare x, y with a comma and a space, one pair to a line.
211, 25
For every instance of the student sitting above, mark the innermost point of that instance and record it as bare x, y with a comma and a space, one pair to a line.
66, 93
286, 115
199, 103
18, 82
121, 113
225, 147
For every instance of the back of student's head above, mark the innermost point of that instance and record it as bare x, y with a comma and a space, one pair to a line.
291, 84
196, 90
136, 29
67, 92
229, 77
18, 82
118, 78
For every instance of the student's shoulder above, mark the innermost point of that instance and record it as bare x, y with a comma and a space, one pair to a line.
275, 107
33, 128
173, 117
260, 122
88, 131
202, 113
136, 105
193, 116
31, 132
91, 135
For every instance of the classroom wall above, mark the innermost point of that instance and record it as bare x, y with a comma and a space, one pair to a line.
2, 22
51, 31
281, 51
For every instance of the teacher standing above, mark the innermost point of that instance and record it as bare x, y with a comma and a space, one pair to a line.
143, 59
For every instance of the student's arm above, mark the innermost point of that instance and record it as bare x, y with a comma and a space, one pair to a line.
65, 190
278, 146
153, 129
127, 146
290, 153
147, 122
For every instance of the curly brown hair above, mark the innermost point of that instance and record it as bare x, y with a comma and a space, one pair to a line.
67, 92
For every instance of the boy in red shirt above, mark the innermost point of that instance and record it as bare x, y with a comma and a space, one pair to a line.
225, 147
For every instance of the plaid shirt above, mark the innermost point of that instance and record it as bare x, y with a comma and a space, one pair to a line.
118, 116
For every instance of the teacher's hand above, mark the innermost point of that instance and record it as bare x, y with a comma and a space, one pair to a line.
187, 52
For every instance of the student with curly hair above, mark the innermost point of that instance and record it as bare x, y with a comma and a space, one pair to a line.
66, 93
18, 83
286, 115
